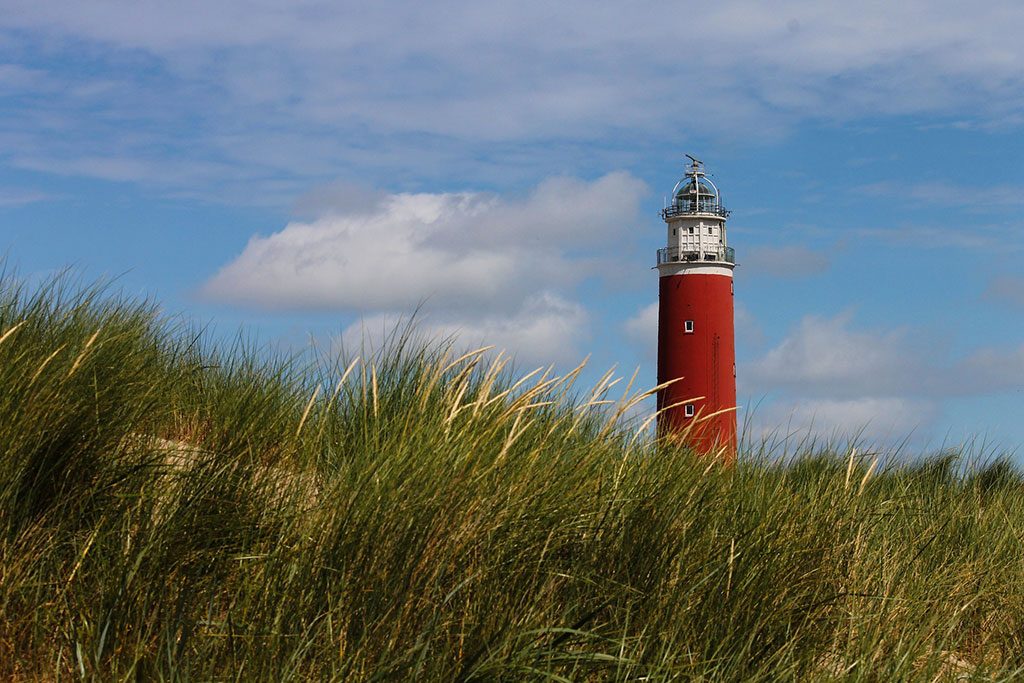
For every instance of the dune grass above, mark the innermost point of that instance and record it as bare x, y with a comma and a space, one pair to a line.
174, 510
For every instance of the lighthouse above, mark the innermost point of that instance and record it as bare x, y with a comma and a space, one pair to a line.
696, 339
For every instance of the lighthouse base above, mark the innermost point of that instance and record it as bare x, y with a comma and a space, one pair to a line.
696, 349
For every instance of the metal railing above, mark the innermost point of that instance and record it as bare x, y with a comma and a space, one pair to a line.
675, 255
681, 207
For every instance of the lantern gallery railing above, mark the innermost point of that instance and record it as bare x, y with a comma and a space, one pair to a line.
681, 207
674, 255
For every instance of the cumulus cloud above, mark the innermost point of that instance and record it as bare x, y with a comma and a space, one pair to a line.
823, 356
457, 251
990, 370
748, 329
827, 375
826, 378
546, 329
827, 357
884, 419
642, 331
483, 268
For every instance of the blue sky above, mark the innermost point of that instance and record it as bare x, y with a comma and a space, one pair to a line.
301, 169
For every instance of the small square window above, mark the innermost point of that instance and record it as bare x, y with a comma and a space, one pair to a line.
688, 327
689, 410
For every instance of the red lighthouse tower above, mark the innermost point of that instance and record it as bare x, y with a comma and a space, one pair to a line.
696, 342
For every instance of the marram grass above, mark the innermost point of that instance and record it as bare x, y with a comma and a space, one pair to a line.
174, 511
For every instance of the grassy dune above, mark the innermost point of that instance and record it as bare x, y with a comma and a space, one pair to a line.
172, 510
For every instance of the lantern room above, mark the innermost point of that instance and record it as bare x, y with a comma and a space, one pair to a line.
695, 221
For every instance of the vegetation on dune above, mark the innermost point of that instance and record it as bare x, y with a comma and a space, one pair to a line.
169, 510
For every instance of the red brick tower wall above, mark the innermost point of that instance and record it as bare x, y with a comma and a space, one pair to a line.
704, 360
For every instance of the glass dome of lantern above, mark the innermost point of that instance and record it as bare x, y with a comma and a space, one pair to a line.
695, 193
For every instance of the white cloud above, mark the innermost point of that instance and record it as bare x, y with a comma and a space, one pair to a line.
827, 379
546, 329
877, 420
458, 251
748, 329
825, 376
990, 370
642, 330
482, 268
824, 357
